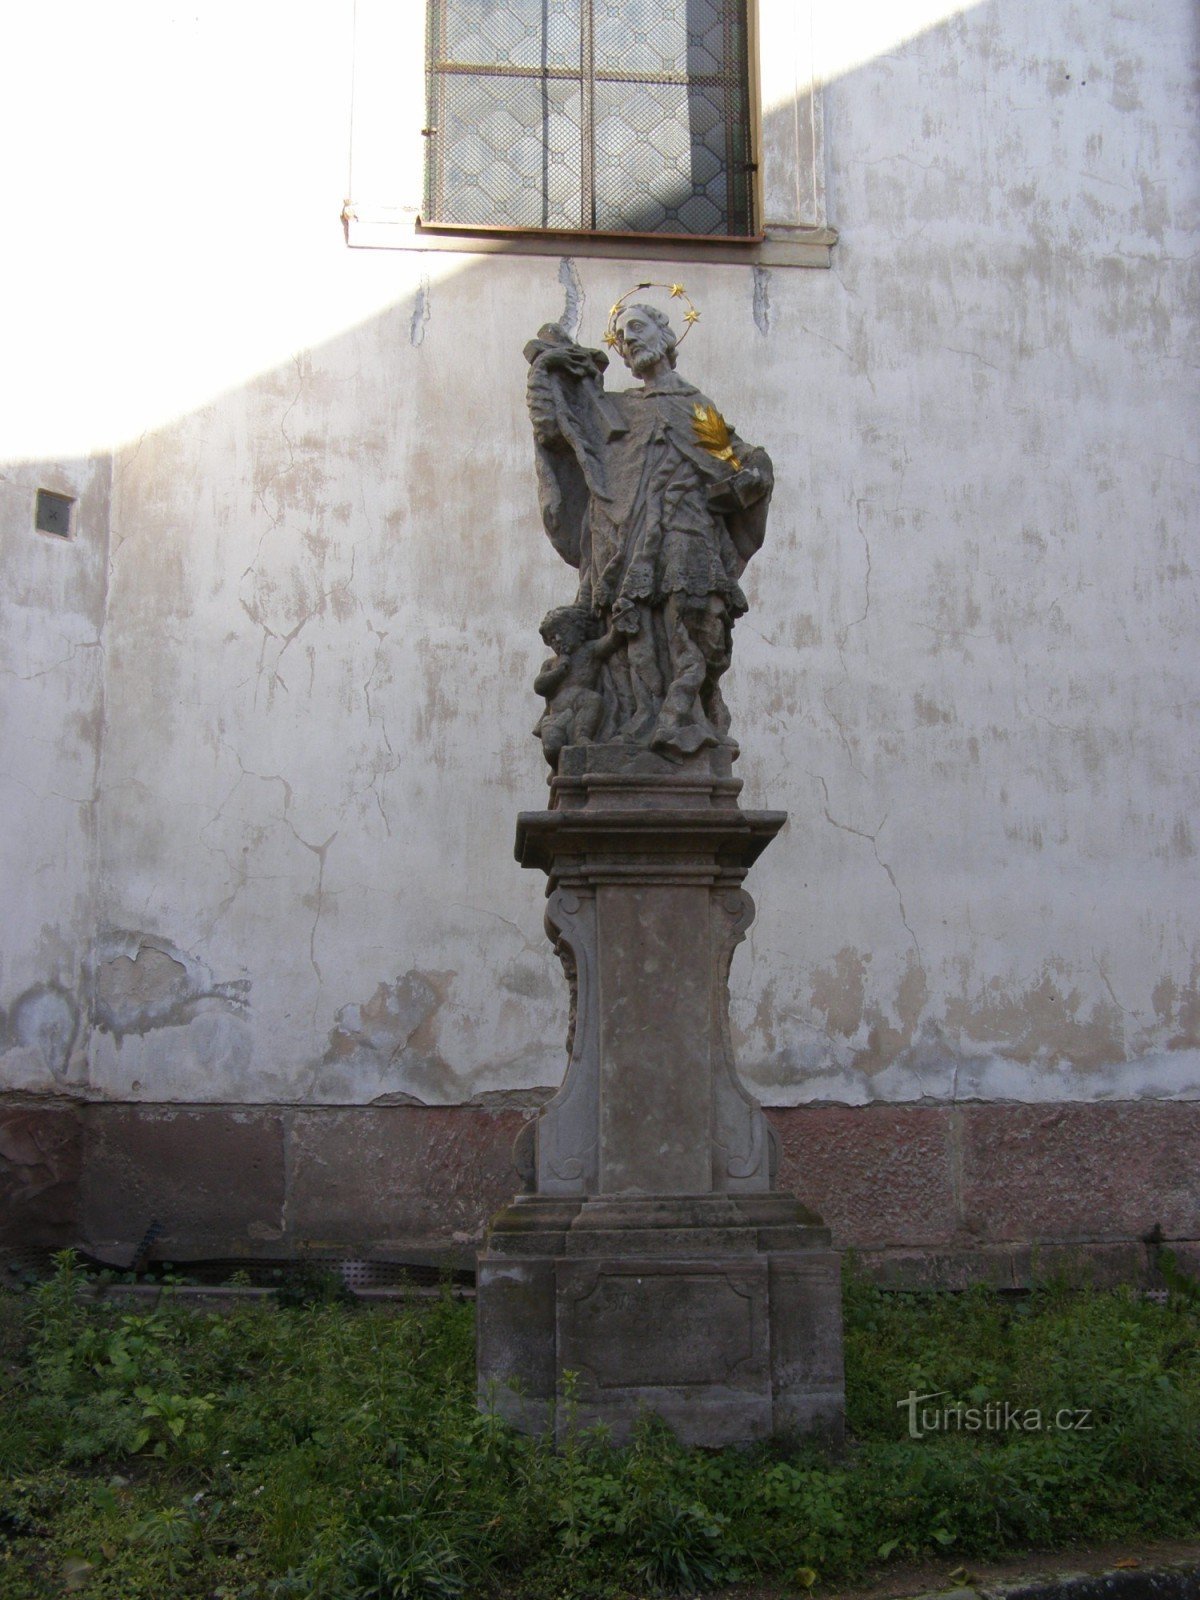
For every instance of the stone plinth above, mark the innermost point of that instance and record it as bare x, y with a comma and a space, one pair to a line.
650, 1256
721, 1313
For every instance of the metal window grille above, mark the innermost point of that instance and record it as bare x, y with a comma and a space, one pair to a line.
596, 116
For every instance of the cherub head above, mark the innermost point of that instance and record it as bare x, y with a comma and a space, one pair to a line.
567, 627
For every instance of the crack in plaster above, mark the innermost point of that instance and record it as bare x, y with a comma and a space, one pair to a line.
568, 276
952, 633
841, 640
28, 677
856, 622
823, 338
1059, 727
280, 472
46, 794
873, 840
1104, 979
421, 312
761, 303
1145, 1038
122, 464
842, 734
972, 355
238, 869
317, 608
320, 851
262, 777
532, 948
372, 716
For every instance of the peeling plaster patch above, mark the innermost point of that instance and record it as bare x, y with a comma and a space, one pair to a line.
1151, 1077
513, 1099
1046, 1043
1047, 1024
422, 310
929, 1079
1178, 1011
532, 982
568, 276
838, 992
886, 1042
806, 631
762, 299
1125, 96
44, 1020
142, 982
389, 1040
863, 1037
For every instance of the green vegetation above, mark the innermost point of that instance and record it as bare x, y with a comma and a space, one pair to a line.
335, 1451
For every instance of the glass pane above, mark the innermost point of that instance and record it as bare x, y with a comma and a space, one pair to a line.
644, 36
508, 152
661, 161
517, 33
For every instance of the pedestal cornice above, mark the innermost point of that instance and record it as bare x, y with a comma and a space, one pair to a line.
618, 841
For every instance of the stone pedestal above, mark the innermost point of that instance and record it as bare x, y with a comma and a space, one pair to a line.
650, 1256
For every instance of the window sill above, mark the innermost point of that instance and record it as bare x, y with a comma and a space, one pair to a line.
400, 229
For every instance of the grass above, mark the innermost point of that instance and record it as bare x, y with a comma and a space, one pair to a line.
336, 1452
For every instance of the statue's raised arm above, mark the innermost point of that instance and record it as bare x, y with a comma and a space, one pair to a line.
660, 505
571, 425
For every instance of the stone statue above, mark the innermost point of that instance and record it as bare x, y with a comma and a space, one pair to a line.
650, 1261
660, 505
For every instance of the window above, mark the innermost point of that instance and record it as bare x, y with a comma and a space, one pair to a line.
641, 125
593, 116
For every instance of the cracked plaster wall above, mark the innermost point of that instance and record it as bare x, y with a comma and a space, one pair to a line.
285, 873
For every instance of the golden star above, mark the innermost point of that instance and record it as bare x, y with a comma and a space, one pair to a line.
612, 310
691, 316
676, 290
610, 340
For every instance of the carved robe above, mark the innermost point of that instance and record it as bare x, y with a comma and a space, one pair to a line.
626, 496
650, 518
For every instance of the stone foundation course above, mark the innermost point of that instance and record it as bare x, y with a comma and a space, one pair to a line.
925, 1196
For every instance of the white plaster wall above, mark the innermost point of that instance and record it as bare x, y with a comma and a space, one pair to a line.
967, 672
51, 720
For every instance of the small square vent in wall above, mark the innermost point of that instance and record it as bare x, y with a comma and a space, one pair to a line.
52, 513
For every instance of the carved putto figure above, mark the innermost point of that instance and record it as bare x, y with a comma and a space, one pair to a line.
660, 505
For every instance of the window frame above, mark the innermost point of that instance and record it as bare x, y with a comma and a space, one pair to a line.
387, 154
600, 80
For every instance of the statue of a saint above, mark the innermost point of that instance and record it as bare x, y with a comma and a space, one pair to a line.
659, 505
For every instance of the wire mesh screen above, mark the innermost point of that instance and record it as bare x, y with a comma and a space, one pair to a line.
612, 116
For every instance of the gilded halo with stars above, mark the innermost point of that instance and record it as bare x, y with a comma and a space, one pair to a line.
676, 291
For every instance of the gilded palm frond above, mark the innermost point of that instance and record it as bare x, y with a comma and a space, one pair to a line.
712, 434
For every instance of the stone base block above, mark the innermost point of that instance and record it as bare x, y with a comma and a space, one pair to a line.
720, 1314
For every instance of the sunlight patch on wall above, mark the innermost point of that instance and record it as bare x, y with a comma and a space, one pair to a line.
177, 221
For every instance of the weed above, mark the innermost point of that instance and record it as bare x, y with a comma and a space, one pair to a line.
337, 1452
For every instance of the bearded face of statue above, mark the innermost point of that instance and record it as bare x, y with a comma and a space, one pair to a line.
644, 341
